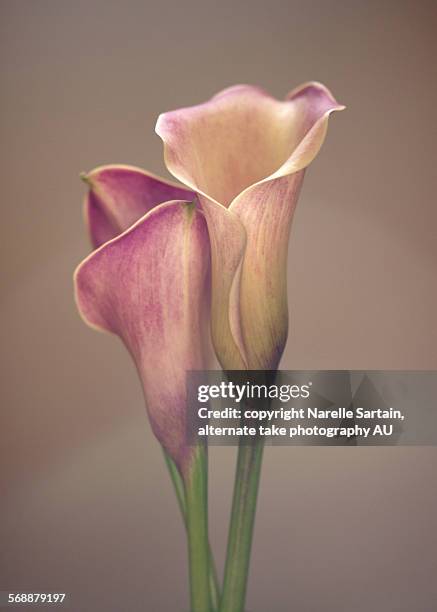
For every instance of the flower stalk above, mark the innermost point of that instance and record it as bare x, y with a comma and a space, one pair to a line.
178, 483
247, 477
196, 499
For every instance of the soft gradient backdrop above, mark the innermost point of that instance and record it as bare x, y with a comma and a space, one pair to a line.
86, 504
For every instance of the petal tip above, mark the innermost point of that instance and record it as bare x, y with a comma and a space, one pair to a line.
320, 94
85, 178
160, 124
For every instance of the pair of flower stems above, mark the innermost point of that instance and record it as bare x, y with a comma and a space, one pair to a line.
192, 495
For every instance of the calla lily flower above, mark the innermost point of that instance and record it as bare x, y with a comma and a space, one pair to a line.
244, 153
149, 282
150, 286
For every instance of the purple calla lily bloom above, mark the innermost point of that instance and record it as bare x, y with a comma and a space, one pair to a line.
150, 286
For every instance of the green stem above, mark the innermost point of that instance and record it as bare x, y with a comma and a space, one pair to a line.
214, 587
241, 526
196, 499
178, 484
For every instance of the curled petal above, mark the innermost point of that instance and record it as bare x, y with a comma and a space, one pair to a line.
228, 241
266, 211
244, 153
120, 195
150, 286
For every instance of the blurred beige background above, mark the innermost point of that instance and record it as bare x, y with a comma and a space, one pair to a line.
86, 505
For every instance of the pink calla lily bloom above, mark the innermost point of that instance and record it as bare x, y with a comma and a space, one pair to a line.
244, 153
150, 285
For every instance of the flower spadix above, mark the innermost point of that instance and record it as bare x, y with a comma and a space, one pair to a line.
244, 153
